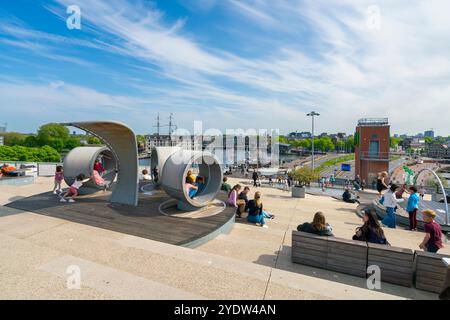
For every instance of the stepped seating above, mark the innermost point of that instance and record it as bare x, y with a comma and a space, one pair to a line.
398, 266
430, 271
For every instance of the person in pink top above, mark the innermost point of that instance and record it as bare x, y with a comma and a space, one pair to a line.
73, 190
59, 177
234, 201
98, 167
189, 186
99, 181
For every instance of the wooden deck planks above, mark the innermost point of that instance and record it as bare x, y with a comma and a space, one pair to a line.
144, 221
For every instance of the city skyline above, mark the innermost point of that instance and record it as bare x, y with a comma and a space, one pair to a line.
232, 64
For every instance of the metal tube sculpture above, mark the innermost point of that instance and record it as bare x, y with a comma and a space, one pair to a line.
173, 164
174, 175
442, 189
81, 160
159, 157
121, 141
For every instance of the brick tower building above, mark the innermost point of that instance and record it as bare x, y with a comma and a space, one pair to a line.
372, 139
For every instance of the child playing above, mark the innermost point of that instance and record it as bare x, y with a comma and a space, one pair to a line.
59, 176
190, 188
200, 184
145, 175
73, 190
99, 167
432, 241
422, 191
99, 181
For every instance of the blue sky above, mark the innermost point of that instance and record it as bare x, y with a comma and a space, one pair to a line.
230, 63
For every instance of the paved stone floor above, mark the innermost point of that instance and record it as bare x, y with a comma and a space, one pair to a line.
39, 254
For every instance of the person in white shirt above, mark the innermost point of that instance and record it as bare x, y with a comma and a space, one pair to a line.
73, 189
390, 202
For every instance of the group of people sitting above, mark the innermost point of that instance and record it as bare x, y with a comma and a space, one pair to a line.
194, 185
6, 168
254, 208
371, 231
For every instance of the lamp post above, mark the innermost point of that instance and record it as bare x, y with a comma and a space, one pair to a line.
312, 114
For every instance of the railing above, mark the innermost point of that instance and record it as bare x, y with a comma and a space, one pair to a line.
41, 169
381, 156
373, 121
47, 169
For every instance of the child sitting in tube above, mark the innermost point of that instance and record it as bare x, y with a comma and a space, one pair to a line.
190, 188
200, 184
99, 181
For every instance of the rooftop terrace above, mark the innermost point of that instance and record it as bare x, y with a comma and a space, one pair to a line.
248, 263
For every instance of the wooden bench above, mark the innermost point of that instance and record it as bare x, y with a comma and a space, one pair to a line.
309, 249
430, 271
347, 256
330, 253
445, 292
396, 264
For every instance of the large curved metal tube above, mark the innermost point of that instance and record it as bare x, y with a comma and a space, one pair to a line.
176, 168
442, 189
159, 157
121, 140
81, 160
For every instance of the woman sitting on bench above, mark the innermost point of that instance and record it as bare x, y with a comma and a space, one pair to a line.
371, 230
318, 226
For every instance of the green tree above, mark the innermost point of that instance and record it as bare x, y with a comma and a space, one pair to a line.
54, 135
304, 176
93, 140
340, 145
324, 144
21, 153
13, 138
394, 142
350, 144
282, 139
306, 143
428, 140
31, 142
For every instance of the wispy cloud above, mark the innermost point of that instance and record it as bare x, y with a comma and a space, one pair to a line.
335, 64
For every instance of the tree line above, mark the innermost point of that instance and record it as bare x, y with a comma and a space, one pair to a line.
46, 146
323, 144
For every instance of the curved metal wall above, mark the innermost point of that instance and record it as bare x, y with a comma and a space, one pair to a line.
159, 157
121, 140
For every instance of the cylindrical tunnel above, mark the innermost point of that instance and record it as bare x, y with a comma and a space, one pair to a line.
176, 168
81, 161
158, 158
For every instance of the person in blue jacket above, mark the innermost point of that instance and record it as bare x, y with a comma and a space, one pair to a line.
413, 206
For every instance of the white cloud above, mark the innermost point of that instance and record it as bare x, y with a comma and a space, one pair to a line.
345, 70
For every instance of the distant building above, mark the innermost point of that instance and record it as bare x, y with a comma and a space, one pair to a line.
2, 141
417, 145
429, 134
299, 135
439, 150
3, 128
372, 155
